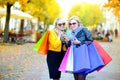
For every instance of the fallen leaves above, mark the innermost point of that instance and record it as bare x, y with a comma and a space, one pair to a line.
16, 59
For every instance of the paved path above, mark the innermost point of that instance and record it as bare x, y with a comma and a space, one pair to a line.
20, 62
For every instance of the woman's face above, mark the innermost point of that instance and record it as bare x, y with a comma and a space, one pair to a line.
73, 24
61, 25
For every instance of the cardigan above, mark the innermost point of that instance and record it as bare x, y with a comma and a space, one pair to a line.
54, 43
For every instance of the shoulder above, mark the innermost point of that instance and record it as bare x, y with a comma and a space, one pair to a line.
84, 28
51, 31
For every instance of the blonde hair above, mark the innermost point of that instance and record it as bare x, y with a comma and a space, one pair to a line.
75, 18
57, 20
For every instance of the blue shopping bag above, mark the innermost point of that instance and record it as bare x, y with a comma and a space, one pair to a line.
81, 58
96, 61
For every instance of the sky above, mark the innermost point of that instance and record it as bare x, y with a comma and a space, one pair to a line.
67, 4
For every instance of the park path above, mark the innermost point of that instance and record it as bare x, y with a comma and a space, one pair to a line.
20, 62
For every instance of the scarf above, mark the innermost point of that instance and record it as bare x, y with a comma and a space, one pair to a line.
63, 34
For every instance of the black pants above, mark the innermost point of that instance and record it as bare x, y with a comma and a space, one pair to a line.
53, 61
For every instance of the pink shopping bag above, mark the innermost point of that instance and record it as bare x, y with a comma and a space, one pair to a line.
64, 61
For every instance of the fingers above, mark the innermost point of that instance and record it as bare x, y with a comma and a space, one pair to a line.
76, 42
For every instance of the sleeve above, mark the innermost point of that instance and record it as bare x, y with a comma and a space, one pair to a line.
69, 43
88, 36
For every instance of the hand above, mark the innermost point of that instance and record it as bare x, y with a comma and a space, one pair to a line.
76, 41
66, 39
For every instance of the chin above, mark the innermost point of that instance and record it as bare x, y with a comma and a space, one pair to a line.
61, 28
74, 28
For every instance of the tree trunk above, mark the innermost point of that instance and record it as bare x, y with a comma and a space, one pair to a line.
6, 30
21, 26
38, 24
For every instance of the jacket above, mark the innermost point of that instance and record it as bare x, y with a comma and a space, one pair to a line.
82, 34
54, 43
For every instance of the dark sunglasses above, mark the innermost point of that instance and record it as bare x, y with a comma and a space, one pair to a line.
72, 23
60, 24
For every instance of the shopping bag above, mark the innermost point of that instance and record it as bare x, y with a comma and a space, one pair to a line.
62, 67
42, 45
104, 55
70, 63
37, 45
81, 58
96, 61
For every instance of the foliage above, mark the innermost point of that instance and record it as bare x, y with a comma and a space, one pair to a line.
44, 10
115, 5
4, 2
89, 14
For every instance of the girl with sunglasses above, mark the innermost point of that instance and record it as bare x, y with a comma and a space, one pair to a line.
78, 39
57, 48
83, 55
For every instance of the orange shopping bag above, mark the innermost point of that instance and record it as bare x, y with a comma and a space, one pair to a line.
43, 49
42, 45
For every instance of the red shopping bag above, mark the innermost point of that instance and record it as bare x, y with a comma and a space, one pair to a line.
96, 61
104, 55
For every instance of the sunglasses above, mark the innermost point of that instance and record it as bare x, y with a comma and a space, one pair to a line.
72, 23
60, 24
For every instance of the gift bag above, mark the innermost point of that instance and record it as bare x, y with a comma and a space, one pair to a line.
42, 45
38, 44
69, 65
104, 55
96, 61
62, 67
81, 58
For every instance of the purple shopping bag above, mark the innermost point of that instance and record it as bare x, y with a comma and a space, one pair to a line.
63, 64
96, 61
81, 58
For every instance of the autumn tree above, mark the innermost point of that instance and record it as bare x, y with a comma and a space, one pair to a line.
8, 4
115, 5
44, 10
89, 14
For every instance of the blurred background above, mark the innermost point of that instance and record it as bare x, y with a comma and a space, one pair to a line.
20, 18
23, 22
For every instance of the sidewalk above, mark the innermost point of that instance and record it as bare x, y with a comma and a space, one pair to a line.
20, 62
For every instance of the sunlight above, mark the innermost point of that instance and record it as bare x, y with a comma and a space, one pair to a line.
66, 5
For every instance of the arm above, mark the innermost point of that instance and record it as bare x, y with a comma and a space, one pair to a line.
88, 36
